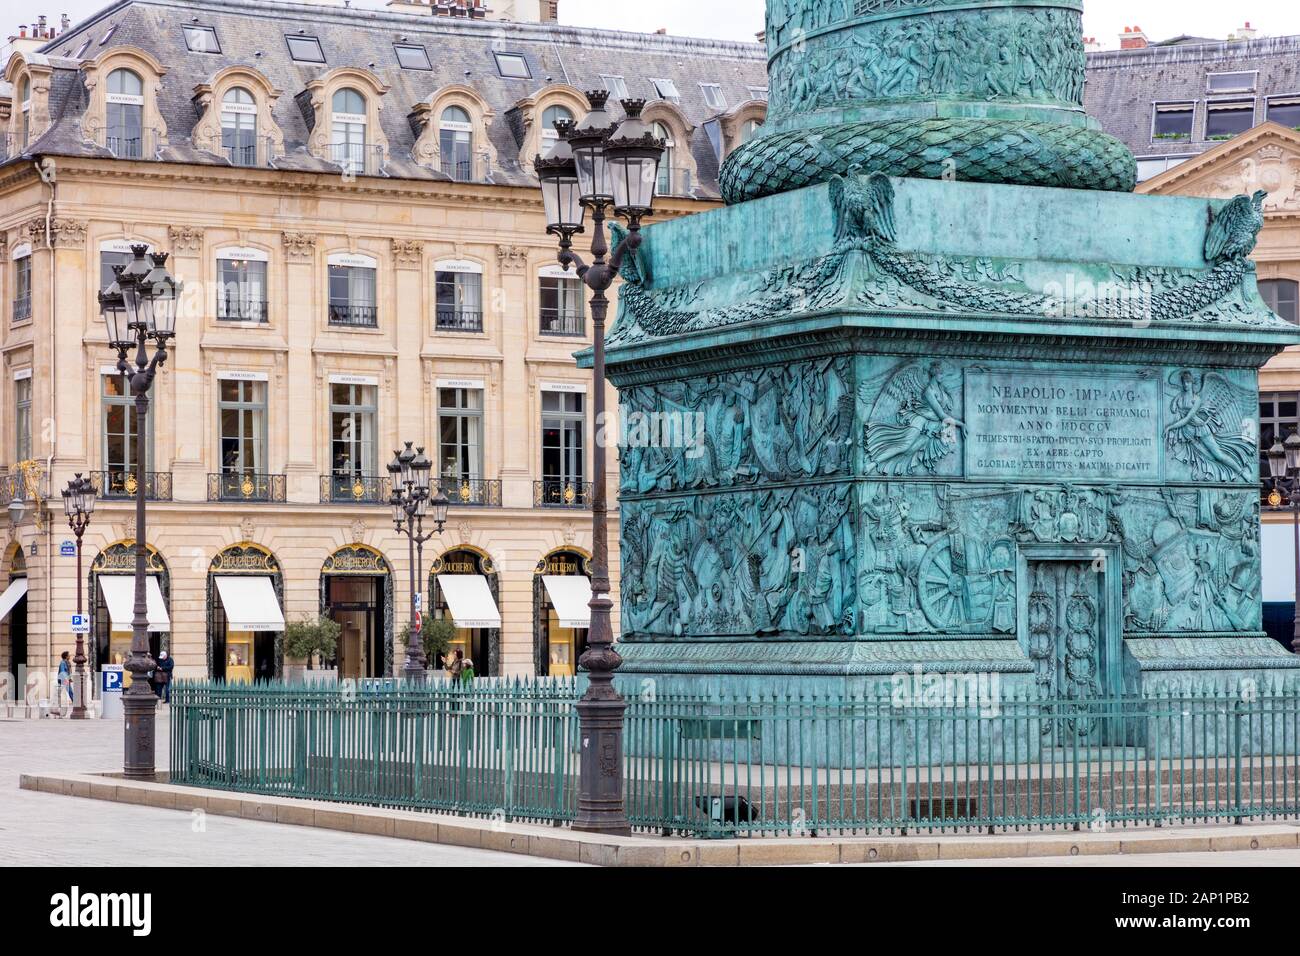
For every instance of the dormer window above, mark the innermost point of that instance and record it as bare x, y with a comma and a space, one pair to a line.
25, 106
713, 96
668, 174
201, 40
758, 93
1285, 111
304, 49
456, 144
1241, 82
513, 66
748, 129
552, 115
1173, 121
667, 90
124, 135
348, 119
239, 127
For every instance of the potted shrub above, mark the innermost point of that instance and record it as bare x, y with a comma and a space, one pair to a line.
312, 640
436, 634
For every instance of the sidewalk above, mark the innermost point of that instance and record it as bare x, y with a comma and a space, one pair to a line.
562, 844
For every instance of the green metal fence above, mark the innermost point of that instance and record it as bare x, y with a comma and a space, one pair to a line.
763, 765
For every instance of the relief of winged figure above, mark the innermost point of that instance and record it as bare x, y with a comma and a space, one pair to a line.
923, 429
1213, 427
1235, 229
864, 211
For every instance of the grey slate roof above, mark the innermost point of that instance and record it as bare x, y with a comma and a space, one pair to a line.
461, 51
1124, 85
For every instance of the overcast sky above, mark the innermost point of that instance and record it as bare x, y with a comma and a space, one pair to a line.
741, 19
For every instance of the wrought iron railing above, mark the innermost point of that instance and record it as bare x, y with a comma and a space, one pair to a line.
458, 319
563, 322
472, 491
475, 170
354, 316
557, 493
121, 483
354, 489
771, 764
126, 142
260, 151
358, 159
246, 486
22, 308
239, 308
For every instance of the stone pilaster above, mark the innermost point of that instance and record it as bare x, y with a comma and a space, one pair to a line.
301, 316
516, 441
185, 385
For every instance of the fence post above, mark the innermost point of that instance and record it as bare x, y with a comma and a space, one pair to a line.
1236, 759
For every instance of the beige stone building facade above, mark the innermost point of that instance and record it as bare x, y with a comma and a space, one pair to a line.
365, 264
1265, 158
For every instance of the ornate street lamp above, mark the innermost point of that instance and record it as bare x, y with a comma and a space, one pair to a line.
139, 309
410, 471
79, 505
1284, 493
614, 166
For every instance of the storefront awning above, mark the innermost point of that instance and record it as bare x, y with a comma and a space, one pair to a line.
13, 594
1277, 553
570, 594
250, 603
119, 595
470, 600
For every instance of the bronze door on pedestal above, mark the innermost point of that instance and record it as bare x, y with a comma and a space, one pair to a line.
1066, 635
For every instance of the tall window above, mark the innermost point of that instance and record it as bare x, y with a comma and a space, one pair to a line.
349, 122
460, 433
459, 306
352, 296
352, 431
1281, 296
666, 165
22, 288
122, 445
241, 293
25, 105
239, 127
1277, 420
456, 144
563, 456
562, 305
552, 115
125, 133
242, 409
23, 419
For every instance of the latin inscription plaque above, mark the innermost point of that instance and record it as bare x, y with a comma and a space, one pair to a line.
1035, 425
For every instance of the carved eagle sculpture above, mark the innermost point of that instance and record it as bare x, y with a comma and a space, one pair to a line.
1234, 231
864, 211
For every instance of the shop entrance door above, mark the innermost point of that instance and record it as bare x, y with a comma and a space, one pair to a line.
354, 604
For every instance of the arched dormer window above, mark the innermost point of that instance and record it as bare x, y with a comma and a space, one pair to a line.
669, 180
25, 105
124, 127
550, 116
239, 127
456, 144
348, 121
747, 130
740, 124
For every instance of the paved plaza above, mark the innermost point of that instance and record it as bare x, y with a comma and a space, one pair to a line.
41, 829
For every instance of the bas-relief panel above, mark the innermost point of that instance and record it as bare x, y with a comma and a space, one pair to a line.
925, 540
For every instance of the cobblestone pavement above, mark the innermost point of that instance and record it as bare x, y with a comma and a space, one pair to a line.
1228, 858
40, 829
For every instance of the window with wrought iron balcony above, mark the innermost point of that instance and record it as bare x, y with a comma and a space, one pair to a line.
458, 300
241, 292
352, 302
22, 289
561, 306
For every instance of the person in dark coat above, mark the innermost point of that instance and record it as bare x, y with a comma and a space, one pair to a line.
162, 676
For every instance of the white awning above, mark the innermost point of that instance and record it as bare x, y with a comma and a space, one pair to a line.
470, 600
570, 595
1277, 554
13, 594
119, 595
250, 603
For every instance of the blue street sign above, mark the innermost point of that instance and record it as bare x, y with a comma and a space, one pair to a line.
67, 549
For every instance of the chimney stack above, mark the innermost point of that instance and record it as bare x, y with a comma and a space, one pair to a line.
1133, 39
1090, 45
1245, 33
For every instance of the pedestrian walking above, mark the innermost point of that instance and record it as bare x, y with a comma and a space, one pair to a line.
65, 676
163, 677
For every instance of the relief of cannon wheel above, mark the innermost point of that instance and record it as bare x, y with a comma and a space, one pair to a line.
953, 595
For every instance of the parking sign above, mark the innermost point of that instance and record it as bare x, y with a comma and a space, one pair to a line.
80, 624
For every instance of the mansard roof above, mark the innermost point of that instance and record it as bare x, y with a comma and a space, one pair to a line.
460, 51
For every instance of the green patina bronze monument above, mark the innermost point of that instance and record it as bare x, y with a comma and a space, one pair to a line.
963, 402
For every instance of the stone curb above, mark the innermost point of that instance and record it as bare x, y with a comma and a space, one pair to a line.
561, 844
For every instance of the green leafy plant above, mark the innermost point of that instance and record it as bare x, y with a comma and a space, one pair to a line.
436, 634
312, 636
